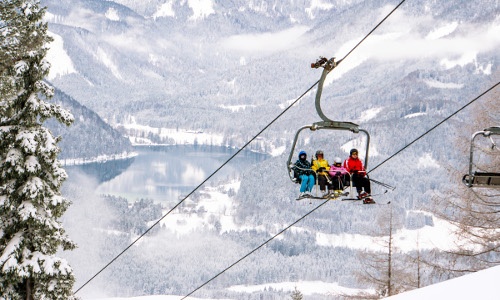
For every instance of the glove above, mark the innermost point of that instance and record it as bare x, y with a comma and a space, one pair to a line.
362, 173
337, 174
322, 169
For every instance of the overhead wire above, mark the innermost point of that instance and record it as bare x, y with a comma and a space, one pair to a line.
232, 157
438, 124
314, 209
254, 250
195, 189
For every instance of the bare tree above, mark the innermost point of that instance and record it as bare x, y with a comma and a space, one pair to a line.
474, 211
389, 270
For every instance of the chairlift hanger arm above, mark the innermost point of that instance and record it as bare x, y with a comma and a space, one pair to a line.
481, 178
327, 65
495, 130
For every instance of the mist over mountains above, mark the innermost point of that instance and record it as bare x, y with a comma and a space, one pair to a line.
230, 68
187, 63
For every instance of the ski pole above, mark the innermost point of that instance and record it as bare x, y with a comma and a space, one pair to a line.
383, 184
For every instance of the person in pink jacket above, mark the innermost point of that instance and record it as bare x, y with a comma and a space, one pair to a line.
339, 175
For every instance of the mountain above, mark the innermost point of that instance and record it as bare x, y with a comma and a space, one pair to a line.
184, 64
88, 137
229, 69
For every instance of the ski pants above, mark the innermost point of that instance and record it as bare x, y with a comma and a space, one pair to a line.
307, 183
340, 181
323, 181
361, 182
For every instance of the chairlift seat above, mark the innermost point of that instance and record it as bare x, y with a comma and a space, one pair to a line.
483, 179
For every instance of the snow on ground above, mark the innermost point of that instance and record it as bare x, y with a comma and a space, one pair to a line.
158, 297
359, 144
305, 287
414, 115
235, 108
177, 136
480, 285
277, 151
426, 161
112, 14
165, 10
429, 237
318, 5
442, 31
214, 201
443, 85
108, 62
369, 114
60, 61
98, 159
201, 8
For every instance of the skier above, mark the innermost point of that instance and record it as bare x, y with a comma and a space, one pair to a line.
339, 175
357, 170
321, 166
303, 172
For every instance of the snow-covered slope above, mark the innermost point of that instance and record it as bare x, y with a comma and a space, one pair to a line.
229, 68
480, 285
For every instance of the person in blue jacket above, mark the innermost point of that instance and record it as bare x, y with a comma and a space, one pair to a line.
304, 174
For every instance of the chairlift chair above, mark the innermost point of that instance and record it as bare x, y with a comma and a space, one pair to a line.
326, 123
482, 179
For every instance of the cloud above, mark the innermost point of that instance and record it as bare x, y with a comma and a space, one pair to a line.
266, 43
451, 44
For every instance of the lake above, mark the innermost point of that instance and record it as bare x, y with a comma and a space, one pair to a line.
164, 173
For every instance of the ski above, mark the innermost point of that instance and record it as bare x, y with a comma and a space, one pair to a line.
371, 203
329, 196
367, 199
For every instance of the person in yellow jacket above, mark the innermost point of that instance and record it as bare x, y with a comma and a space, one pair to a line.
320, 166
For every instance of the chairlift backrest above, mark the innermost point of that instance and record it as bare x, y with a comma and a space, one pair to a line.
482, 179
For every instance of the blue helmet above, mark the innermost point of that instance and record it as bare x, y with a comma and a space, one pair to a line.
302, 153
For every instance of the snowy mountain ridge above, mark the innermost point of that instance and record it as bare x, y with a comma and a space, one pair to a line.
216, 72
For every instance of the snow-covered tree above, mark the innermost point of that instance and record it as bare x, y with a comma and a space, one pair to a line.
296, 294
30, 174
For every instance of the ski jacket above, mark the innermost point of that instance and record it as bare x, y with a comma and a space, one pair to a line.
353, 165
333, 170
319, 163
302, 164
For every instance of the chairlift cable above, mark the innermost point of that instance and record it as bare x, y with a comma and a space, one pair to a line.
254, 250
195, 189
229, 159
435, 126
392, 156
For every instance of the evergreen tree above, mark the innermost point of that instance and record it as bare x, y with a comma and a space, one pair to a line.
296, 295
30, 174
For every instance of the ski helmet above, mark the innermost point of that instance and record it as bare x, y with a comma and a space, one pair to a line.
319, 152
302, 153
337, 160
353, 150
